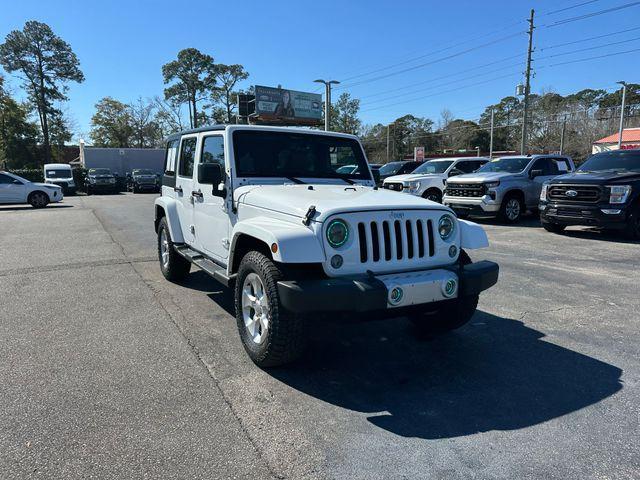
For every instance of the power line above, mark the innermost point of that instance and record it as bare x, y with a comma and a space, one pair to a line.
593, 14
589, 58
589, 48
570, 7
588, 39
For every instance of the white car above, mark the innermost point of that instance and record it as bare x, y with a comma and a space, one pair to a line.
264, 211
15, 189
428, 179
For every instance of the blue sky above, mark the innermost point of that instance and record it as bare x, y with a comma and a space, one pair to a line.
122, 46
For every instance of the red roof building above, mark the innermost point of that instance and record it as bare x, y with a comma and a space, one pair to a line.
630, 139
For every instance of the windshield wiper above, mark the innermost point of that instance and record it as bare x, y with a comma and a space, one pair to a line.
294, 180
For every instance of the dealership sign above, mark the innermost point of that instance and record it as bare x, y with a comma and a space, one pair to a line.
289, 105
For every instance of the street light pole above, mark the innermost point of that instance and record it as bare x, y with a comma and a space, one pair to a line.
491, 136
624, 94
327, 100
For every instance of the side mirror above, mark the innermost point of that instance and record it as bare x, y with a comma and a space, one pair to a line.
211, 174
376, 176
454, 171
535, 173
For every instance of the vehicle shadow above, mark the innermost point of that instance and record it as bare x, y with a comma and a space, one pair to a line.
528, 221
29, 208
494, 374
602, 235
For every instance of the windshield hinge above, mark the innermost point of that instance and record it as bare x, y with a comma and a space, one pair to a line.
309, 215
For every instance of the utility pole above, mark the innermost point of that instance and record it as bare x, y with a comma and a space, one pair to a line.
564, 128
624, 95
327, 100
527, 88
388, 127
491, 136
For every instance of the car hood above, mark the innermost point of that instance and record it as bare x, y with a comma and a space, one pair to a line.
47, 185
597, 177
100, 176
481, 177
327, 199
408, 177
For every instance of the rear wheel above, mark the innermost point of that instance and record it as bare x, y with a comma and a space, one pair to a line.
38, 200
454, 314
270, 335
433, 194
174, 267
511, 209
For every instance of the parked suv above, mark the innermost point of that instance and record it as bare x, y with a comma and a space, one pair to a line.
15, 189
397, 168
143, 180
504, 187
264, 211
603, 192
427, 181
100, 180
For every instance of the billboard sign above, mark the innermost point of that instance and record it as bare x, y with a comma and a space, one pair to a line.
418, 154
280, 104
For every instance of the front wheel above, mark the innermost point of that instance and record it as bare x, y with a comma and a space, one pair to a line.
270, 335
632, 230
433, 194
511, 209
38, 199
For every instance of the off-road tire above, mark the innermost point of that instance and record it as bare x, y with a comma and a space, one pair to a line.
553, 227
38, 199
504, 215
285, 339
433, 194
453, 315
176, 267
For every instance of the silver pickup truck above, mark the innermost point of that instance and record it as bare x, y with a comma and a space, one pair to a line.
505, 187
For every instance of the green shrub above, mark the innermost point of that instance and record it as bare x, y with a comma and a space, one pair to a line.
31, 174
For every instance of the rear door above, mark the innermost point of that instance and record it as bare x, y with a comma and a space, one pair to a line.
184, 186
210, 215
11, 190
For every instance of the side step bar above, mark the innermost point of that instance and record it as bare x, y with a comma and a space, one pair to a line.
218, 272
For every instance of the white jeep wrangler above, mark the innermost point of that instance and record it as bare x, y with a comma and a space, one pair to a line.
263, 210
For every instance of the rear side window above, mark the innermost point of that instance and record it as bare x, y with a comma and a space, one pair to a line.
5, 179
170, 158
560, 165
468, 167
187, 157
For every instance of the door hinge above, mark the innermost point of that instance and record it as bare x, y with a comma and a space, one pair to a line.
192, 228
225, 243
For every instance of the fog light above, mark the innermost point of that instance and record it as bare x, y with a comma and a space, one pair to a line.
449, 288
453, 251
337, 261
395, 295
610, 211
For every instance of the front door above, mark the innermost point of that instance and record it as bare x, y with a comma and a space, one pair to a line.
184, 187
11, 190
210, 215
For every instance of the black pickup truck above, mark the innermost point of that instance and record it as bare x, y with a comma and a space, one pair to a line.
603, 192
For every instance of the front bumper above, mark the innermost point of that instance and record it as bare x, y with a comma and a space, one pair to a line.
484, 205
370, 293
586, 215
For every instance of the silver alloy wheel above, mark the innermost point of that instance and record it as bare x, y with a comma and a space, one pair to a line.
164, 248
39, 200
512, 209
255, 308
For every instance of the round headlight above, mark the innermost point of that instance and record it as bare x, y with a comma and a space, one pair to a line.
446, 226
337, 233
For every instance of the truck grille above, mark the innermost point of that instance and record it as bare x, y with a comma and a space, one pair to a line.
583, 193
393, 186
393, 240
465, 190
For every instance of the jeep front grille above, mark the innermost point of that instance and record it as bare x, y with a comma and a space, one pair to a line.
583, 193
465, 189
393, 240
393, 186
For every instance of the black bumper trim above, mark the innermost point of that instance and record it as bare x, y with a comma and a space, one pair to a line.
365, 294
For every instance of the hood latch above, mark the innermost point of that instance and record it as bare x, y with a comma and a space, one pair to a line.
309, 215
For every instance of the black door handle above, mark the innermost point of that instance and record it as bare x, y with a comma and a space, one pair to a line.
197, 194
177, 189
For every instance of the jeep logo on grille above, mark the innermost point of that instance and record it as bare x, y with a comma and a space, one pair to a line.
571, 193
397, 215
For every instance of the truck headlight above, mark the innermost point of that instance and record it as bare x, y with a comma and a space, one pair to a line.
543, 192
619, 193
446, 226
337, 233
112, 180
413, 187
493, 184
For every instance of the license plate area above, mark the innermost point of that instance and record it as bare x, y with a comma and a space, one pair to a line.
415, 288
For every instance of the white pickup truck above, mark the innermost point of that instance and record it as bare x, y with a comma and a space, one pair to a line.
264, 211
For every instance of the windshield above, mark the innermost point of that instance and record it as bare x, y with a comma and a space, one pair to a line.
433, 167
140, 171
58, 173
619, 160
99, 171
509, 165
391, 168
284, 154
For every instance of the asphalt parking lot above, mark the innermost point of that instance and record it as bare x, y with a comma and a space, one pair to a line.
109, 371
